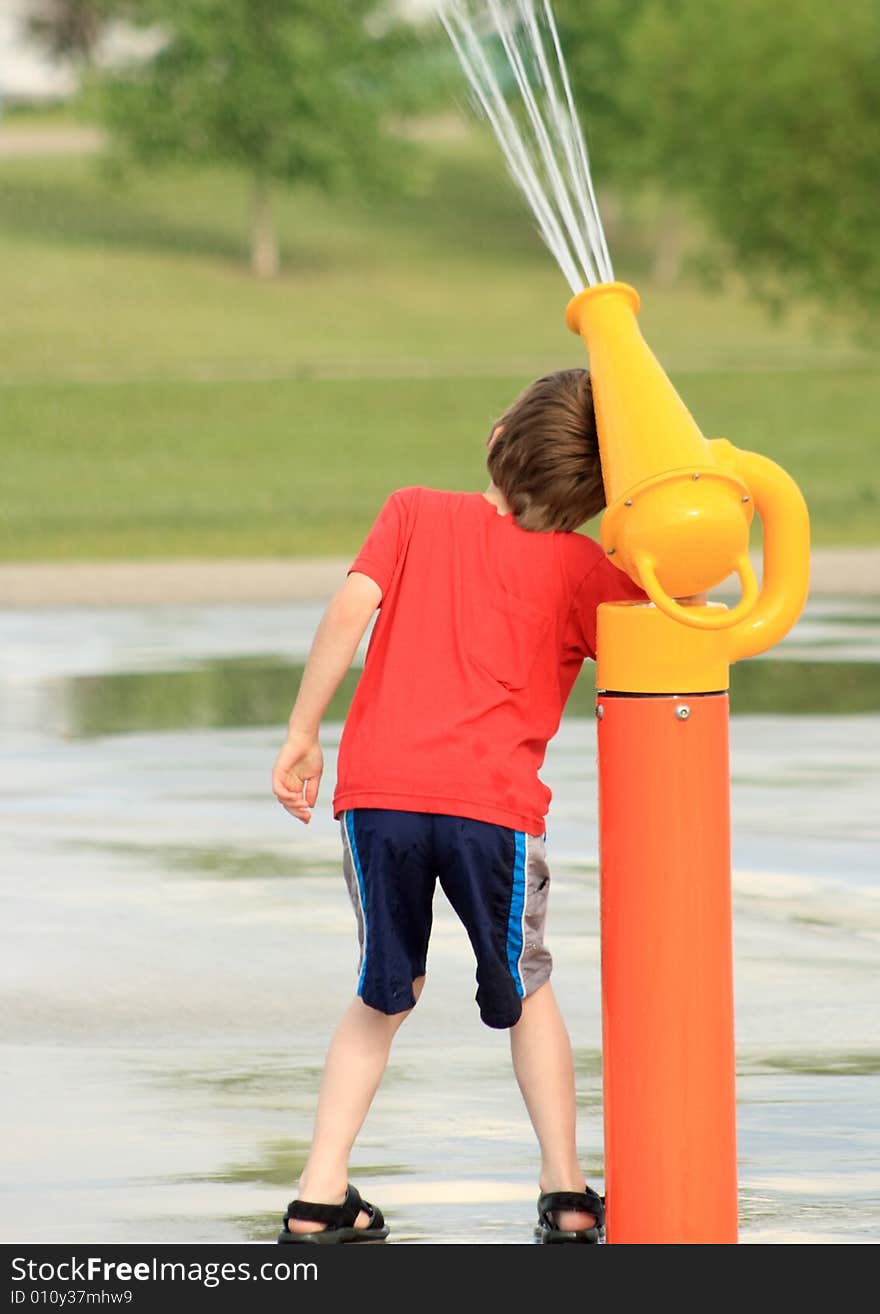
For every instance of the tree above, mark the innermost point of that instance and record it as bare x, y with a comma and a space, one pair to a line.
286, 90
765, 116
596, 41
68, 27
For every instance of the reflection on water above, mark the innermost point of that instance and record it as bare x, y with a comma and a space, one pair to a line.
260, 692
231, 863
93, 672
177, 950
219, 693
279, 1164
825, 1064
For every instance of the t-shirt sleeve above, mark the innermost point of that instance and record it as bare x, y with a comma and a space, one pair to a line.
383, 545
603, 583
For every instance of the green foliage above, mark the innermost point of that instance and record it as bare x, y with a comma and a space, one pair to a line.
596, 40
766, 116
293, 90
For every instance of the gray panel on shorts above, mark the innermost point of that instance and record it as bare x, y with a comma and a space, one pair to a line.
354, 889
535, 964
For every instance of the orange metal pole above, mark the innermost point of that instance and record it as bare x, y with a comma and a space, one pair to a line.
667, 976
679, 511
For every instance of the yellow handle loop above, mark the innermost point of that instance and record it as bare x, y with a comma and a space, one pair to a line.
700, 618
786, 566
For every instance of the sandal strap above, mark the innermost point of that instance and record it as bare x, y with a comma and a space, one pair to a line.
341, 1215
585, 1202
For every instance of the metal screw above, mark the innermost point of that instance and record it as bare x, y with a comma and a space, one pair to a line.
747, 498
628, 502
600, 712
610, 552
696, 476
683, 712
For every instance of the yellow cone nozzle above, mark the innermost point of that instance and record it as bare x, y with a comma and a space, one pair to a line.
680, 506
677, 521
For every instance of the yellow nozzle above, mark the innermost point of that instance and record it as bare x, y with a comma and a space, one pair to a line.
679, 506
676, 521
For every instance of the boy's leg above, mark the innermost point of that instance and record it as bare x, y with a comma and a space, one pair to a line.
389, 874
542, 1060
497, 881
353, 1069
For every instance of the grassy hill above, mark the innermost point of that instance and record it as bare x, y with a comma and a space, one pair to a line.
156, 400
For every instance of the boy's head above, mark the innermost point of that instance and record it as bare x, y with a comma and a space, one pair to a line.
544, 454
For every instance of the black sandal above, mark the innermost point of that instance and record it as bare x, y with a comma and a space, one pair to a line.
586, 1201
340, 1220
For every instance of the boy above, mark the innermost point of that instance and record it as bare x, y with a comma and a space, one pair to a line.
487, 611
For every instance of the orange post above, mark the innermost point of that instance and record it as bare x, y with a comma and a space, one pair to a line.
680, 507
667, 975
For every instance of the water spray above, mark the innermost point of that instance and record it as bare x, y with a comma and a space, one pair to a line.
679, 511
539, 134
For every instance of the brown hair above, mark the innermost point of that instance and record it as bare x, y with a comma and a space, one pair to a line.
546, 459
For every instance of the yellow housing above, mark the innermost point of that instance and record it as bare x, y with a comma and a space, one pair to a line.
679, 505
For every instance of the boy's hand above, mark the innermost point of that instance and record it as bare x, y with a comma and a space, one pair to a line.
297, 775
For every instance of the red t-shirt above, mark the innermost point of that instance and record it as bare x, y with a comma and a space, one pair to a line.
481, 633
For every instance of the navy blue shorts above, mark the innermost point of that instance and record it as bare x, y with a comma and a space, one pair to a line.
496, 879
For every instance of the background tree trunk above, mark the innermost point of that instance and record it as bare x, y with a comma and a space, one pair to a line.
265, 257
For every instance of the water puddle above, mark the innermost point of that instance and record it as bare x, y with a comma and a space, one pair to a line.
176, 950
255, 691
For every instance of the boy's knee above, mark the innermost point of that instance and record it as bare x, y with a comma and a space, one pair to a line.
417, 986
394, 1020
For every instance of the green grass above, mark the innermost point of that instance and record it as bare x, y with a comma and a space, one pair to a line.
288, 468
156, 400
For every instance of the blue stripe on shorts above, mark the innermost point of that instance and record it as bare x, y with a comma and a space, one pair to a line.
517, 903
349, 826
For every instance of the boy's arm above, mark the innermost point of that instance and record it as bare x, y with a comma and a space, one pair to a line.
300, 763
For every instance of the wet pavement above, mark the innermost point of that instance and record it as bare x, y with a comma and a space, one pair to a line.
176, 951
